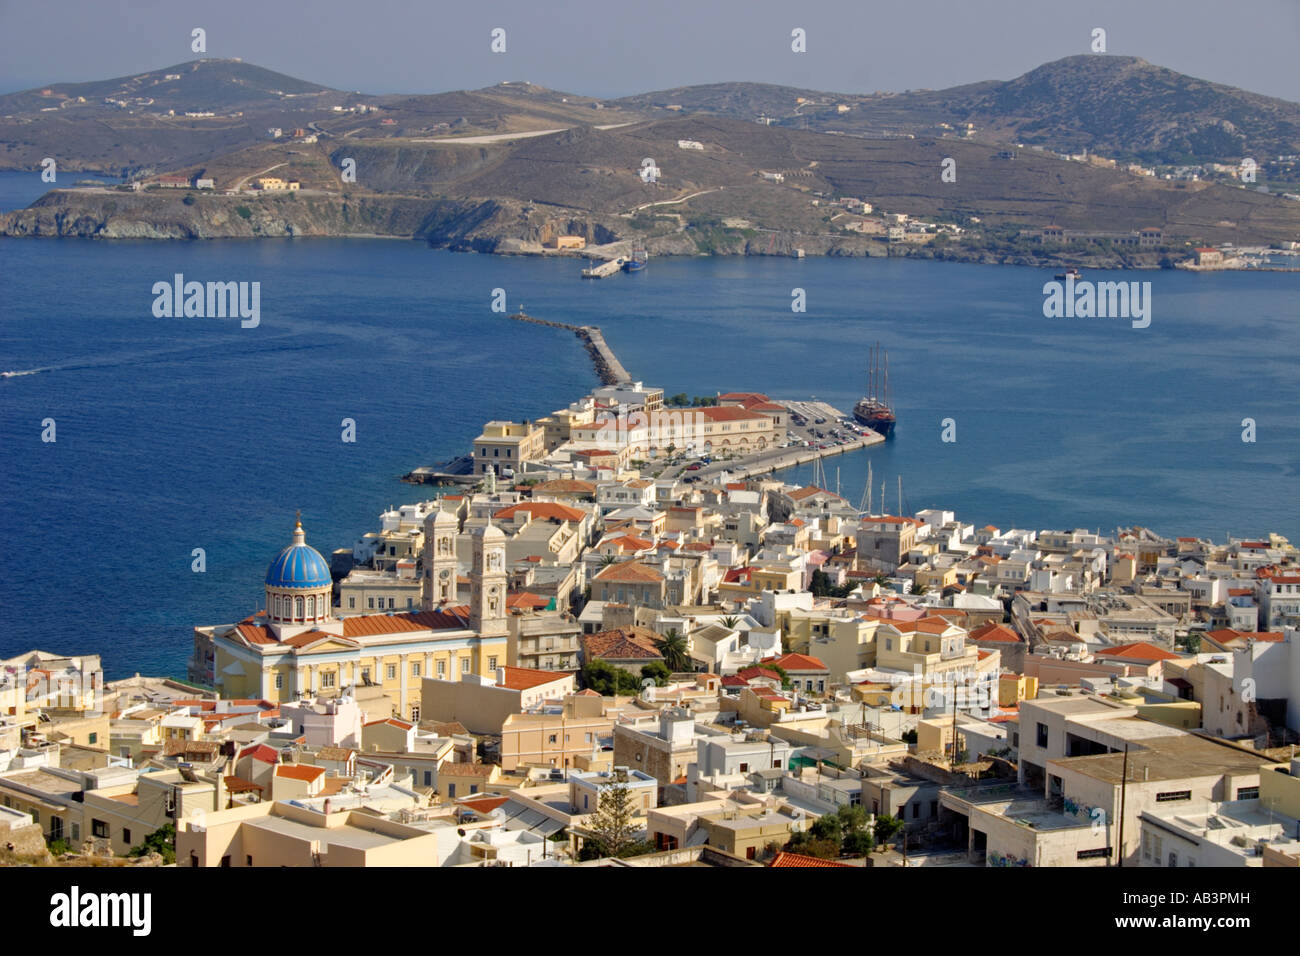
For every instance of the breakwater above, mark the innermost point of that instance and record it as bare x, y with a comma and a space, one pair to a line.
608, 368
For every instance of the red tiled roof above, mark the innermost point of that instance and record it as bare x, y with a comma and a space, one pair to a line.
299, 771
785, 859
543, 510
260, 752
630, 572
389, 720
730, 413
449, 618
796, 662
754, 673
525, 678
621, 643
526, 599
484, 805
565, 486
996, 633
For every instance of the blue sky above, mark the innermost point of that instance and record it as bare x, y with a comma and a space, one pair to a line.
611, 49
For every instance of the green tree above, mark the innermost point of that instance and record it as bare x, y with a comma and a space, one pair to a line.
612, 826
657, 671
675, 651
785, 678
607, 680
162, 841
885, 828
858, 843
730, 622
827, 827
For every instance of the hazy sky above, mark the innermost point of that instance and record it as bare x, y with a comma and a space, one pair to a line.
614, 48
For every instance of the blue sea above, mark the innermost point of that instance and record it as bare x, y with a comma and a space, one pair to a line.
176, 434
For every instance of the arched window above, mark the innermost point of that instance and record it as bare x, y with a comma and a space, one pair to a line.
297, 607
311, 606
277, 606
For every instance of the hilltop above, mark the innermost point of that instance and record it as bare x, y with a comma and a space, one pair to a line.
1120, 106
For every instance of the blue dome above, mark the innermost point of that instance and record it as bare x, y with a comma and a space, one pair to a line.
299, 566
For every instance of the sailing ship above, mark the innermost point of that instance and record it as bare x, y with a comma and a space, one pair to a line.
873, 410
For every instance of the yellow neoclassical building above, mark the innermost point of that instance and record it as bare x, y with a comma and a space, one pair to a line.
296, 647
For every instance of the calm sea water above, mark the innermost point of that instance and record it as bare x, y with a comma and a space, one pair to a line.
175, 434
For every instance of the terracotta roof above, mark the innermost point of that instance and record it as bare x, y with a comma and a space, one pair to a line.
389, 720
730, 413
449, 618
808, 491
255, 633
588, 692
1139, 651
754, 673
996, 633
260, 752
796, 662
630, 572
240, 785
525, 599
448, 728
785, 859
565, 486
543, 510
484, 805
743, 397
629, 542
307, 638
299, 771
524, 678
621, 643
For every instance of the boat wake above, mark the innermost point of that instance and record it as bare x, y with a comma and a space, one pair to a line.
280, 344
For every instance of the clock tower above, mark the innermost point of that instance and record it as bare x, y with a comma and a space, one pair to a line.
487, 582
440, 559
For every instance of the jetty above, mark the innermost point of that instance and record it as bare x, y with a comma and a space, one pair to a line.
605, 269
608, 368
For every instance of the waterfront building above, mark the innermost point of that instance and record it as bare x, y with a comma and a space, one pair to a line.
506, 445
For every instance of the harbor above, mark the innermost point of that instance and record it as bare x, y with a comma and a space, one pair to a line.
799, 431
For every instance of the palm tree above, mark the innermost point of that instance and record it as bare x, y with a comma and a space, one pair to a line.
730, 622
608, 559
674, 648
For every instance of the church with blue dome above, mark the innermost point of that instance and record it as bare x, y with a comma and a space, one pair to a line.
299, 587
300, 647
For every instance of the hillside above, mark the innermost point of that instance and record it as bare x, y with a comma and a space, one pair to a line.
1123, 107
508, 167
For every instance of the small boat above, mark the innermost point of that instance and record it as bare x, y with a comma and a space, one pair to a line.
636, 261
1070, 273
